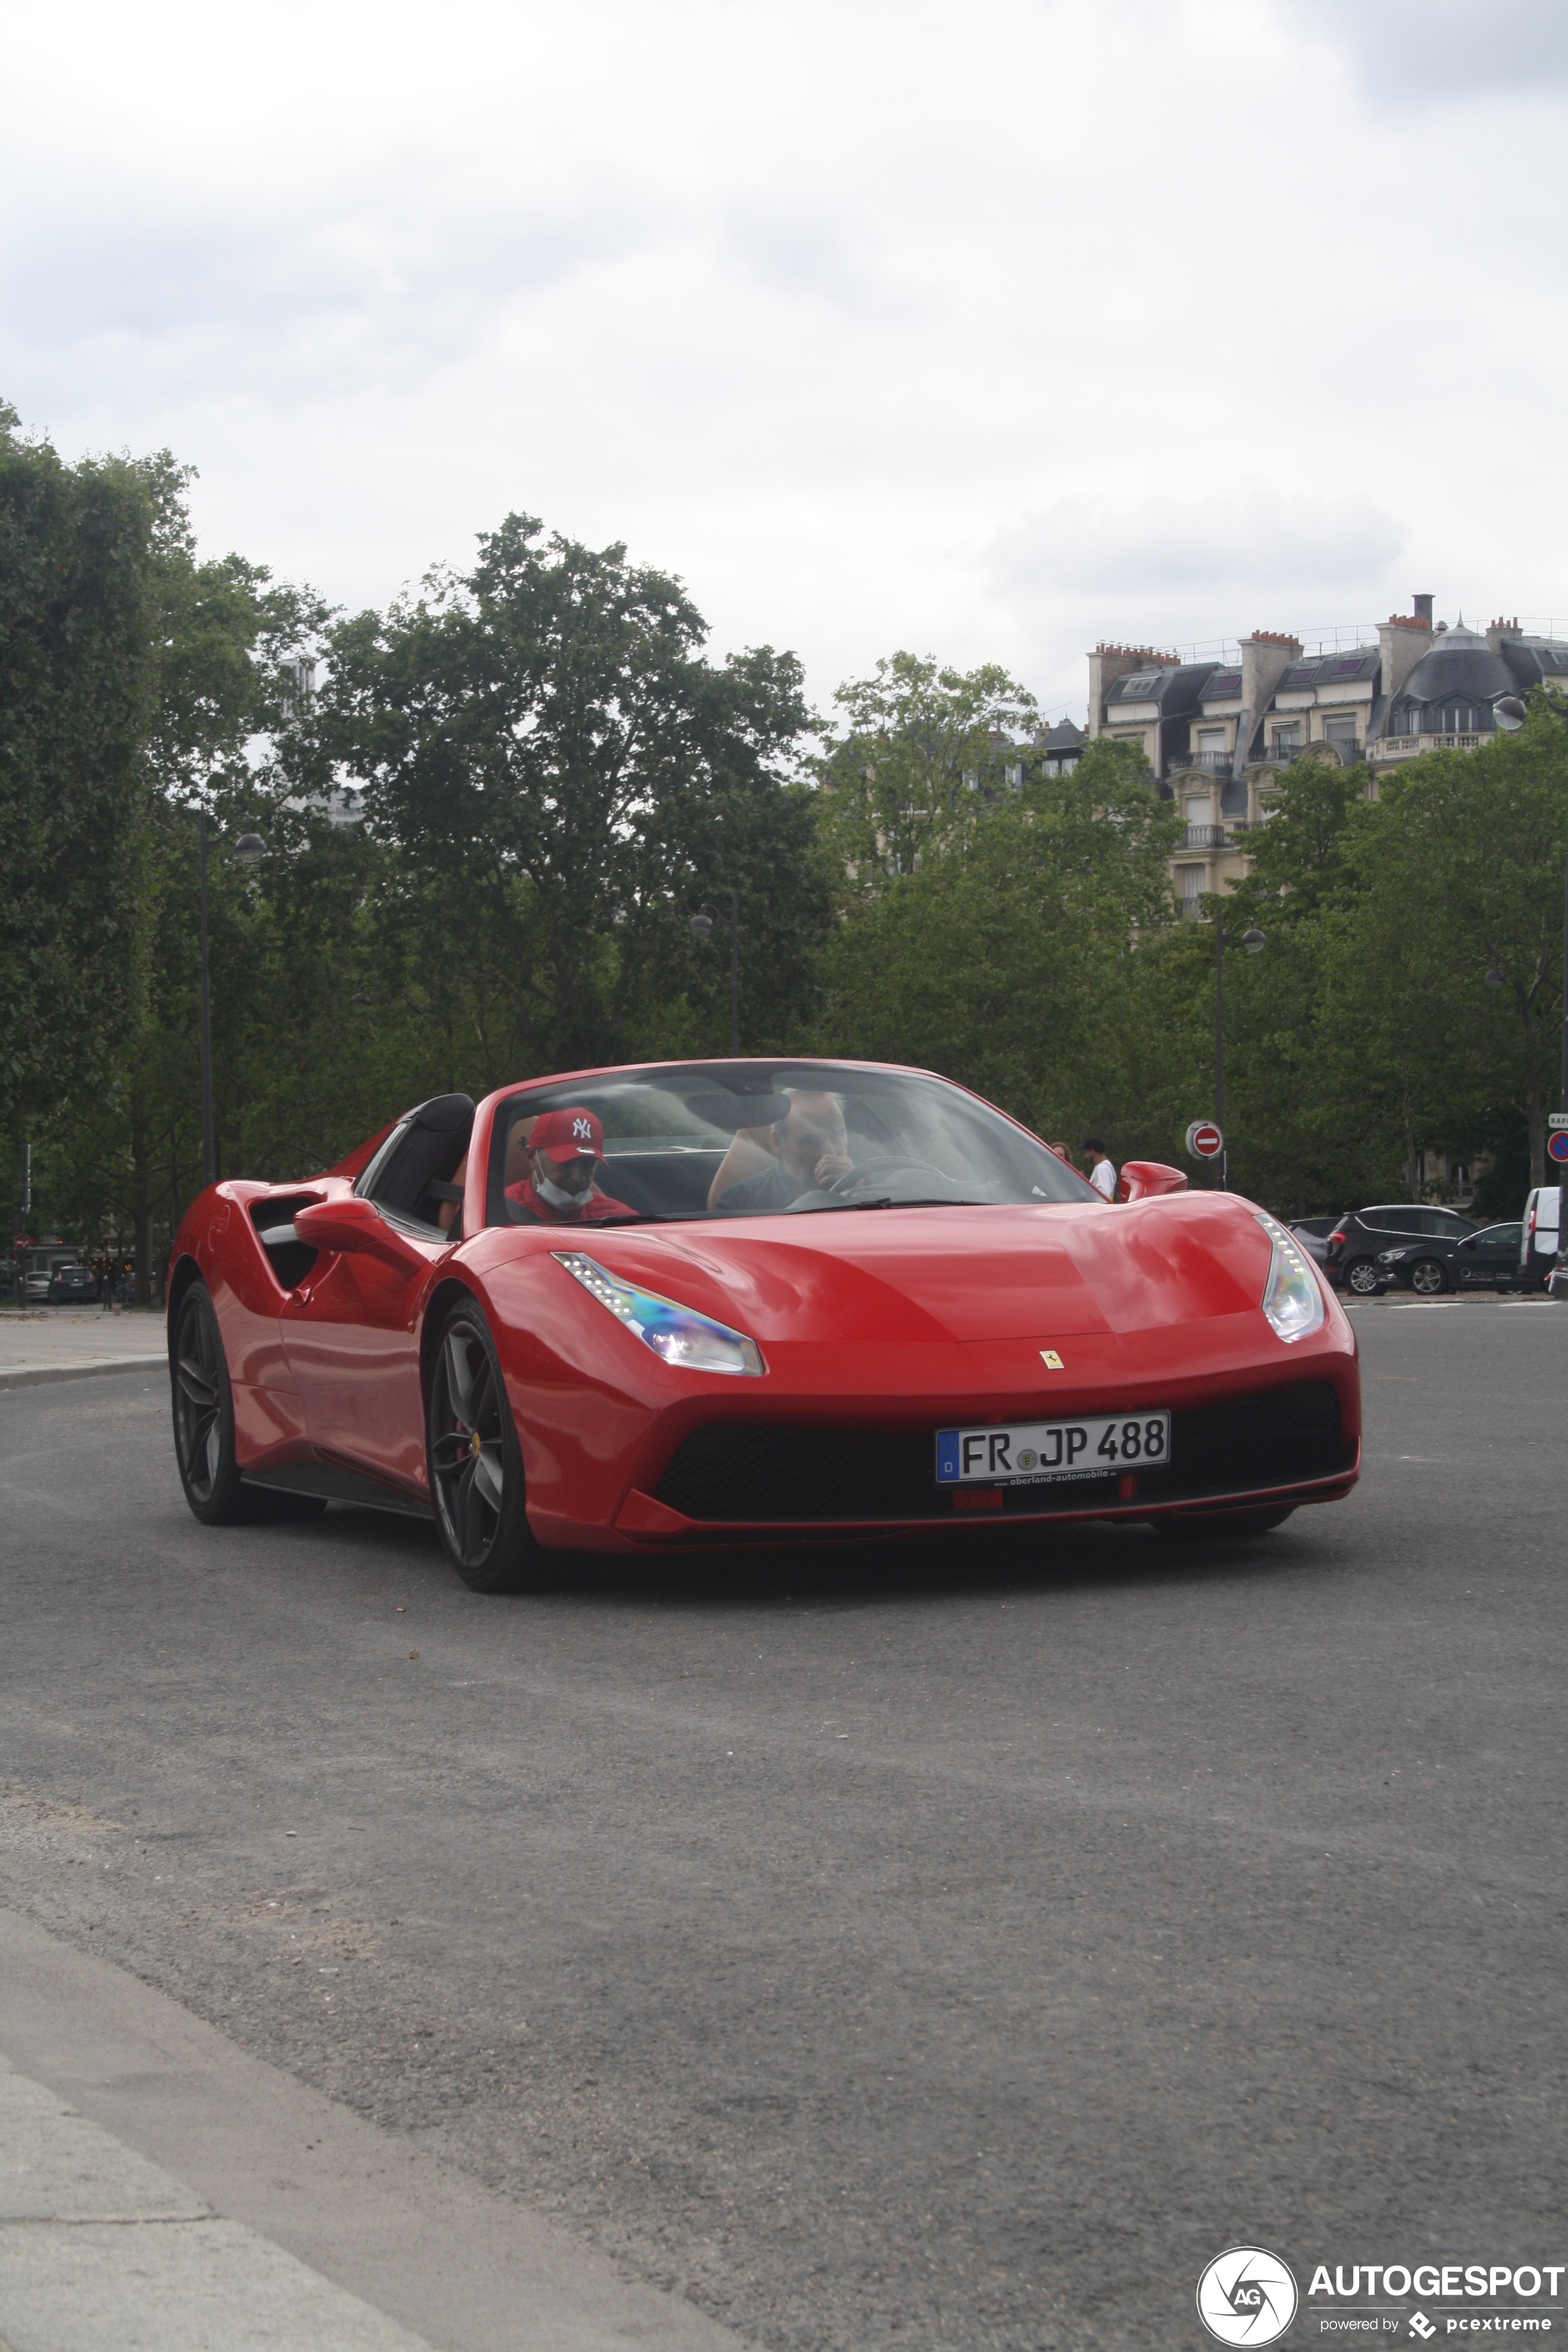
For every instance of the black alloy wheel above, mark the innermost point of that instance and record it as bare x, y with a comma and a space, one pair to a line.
203, 1411
476, 1464
1223, 1523
1428, 1278
204, 1427
1362, 1277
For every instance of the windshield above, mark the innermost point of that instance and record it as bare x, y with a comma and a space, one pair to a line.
703, 1140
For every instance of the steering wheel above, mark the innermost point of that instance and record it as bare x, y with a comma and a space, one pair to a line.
873, 1171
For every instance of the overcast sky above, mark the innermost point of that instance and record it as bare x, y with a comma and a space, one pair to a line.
987, 329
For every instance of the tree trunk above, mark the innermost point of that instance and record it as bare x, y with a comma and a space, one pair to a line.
1409, 1130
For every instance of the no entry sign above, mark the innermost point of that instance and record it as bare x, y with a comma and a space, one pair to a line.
1205, 1140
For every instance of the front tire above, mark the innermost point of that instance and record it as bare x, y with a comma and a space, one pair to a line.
1363, 1277
203, 1413
476, 1464
1428, 1278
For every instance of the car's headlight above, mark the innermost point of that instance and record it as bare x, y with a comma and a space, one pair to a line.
679, 1334
1291, 1297
1389, 1257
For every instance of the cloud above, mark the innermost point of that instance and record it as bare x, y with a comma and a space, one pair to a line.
1223, 548
984, 332
343, 282
1187, 573
1416, 52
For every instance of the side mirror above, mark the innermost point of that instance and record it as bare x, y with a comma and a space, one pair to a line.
1141, 1180
359, 1225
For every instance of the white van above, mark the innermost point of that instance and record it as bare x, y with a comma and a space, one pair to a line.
1539, 1234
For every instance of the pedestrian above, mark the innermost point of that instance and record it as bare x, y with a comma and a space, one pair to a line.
1101, 1174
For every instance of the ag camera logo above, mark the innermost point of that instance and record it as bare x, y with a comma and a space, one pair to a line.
1247, 2296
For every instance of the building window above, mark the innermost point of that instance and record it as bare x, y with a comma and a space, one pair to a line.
1341, 732
1287, 739
1192, 881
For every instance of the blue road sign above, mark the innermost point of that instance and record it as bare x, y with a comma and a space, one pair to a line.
1557, 1145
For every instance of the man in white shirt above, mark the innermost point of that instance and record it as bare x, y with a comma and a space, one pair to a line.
1101, 1174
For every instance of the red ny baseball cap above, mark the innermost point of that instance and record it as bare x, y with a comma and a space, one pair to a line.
568, 1135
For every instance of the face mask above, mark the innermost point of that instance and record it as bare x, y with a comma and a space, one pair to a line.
557, 1195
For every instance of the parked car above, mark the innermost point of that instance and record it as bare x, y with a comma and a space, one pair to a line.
36, 1285
1493, 1260
1313, 1233
1405, 1241
72, 1285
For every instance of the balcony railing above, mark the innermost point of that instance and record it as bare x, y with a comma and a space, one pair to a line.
1205, 836
1280, 755
1406, 744
1207, 763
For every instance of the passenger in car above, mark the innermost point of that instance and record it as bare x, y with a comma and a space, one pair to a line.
561, 1160
449, 1200
808, 1149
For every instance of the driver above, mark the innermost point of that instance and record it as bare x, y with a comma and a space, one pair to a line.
810, 1150
562, 1154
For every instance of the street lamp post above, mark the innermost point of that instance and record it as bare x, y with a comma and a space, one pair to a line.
250, 849
1509, 713
209, 1135
1253, 941
702, 925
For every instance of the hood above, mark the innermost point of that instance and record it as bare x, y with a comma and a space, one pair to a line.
1005, 1272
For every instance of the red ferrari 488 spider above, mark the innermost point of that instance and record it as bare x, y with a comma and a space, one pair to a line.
703, 1303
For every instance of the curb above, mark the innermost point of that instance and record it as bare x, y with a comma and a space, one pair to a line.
437, 2262
40, 1374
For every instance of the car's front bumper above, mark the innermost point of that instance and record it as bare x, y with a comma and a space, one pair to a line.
805, 1462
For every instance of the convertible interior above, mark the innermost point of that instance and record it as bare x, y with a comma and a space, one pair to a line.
414, 1175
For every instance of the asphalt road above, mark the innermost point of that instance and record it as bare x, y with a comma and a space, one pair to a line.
949, 1948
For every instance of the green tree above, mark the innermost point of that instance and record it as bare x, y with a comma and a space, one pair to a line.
78, 699
1365, 1034
559, 778
920, 742
122, 731
1459, 872
1300, 1130
1009, 959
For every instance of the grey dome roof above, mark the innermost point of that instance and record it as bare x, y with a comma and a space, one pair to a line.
1460, 662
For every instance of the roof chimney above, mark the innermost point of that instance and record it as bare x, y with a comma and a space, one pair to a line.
1422, 608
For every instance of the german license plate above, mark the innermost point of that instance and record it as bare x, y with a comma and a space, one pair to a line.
1029, 1453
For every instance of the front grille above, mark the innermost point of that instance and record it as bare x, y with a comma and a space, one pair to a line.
739, 1470
742, 1471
